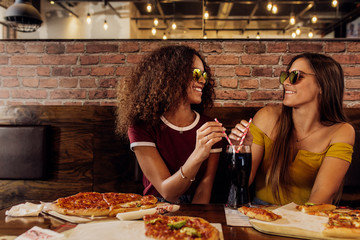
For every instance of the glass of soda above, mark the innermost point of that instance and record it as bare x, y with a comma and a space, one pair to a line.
239, 164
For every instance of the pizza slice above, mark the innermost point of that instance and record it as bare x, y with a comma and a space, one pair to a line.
312, 208
179, 227
122, 202
148, 201
343, 225
259, 213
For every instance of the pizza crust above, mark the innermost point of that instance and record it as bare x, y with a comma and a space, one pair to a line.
341, 232
89, 212
315, 208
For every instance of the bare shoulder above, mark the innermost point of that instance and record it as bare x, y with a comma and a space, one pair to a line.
266, 118
344, 132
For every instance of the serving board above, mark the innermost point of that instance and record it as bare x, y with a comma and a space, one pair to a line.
294, 224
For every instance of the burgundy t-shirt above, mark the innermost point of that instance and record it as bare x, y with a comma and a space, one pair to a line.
175, 144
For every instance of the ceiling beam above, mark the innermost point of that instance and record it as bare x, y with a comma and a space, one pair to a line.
223, 12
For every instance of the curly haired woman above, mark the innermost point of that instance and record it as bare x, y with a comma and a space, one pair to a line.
160, 108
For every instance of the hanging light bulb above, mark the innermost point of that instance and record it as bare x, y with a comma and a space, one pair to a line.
258, 35
106, 26
311, 34
148, 7
173, 25
206, 14
156, 22
293, 34
274, 9
269, 6
52, 2
153, 31
205, 35
334, 3
298, 31
314, 19
164, 36
292, 20
88, 18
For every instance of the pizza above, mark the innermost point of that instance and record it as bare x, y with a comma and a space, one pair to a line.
343, 224
259, 213
102, 204
179, 227
316, 209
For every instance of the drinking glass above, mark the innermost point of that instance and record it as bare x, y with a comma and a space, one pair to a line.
239, 163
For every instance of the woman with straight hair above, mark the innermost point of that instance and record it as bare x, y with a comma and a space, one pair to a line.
160, 109
301, 150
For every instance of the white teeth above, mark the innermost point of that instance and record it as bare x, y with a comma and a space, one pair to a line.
198, 89
289, 92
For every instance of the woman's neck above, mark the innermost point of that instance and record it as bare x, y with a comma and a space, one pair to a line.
183, 116
306, 120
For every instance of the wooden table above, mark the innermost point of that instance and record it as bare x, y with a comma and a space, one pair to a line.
213, 213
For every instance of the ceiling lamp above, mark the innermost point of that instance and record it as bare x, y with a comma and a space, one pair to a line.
148, 7
206, 14
106, 26
314, 19
334, 3
205, 35
298, 31
153, 31
311, 34
274, 9
292, 20
173, 25
88, 18
164, 36
52, 2
258, 35
156, 22
23, 16
293, 34
269, 6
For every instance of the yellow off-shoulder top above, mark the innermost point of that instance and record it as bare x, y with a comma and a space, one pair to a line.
303, 169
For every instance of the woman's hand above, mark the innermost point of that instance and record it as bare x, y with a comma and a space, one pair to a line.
238, 132
206, 136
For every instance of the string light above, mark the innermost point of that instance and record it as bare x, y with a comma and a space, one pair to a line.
258, 35
153, 31
148, 7
292, 19
298, 31
269, 6
311, 34
164, 36
106, 26
274, 9
293, 34
334, 3
52, 2
314, 19
156, 22
206, 14
173, 25
205, 36
88, 18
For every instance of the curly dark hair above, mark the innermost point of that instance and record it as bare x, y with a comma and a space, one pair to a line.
157, 85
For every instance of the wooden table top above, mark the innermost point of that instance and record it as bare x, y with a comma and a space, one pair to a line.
213, 213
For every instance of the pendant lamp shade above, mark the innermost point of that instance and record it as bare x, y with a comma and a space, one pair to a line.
23, 16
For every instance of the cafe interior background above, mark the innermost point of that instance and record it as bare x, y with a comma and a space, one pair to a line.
189, 19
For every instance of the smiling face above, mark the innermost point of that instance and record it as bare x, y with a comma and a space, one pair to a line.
194, 90
305, 90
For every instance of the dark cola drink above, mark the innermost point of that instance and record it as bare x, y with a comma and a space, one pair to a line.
239, 168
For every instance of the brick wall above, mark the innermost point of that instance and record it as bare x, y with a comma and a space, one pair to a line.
85, 72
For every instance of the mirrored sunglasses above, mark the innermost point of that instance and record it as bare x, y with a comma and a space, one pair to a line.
197, 73
293, 76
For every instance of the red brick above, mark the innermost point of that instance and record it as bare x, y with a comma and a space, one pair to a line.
101, 48
299, 47
224, 71
68, 82
334, 47
26, 72
243, 71
353, 46
102, 71
30, 82
4, 94
2, 47
75, 48
88, 83
35, 48
194, 45
123, 71
261, 72
28, 94
277, 47
59, 59
25, 60
352, 83
129, 47
80, 71
149, 46
55, 48
89, 59
15, 48
267, 95
115, 59
229, 82
10, 82
347, 59
211, 47
102, 94
68, 94
351, 96
255, 48
48, 83
4, 60
269, 83
107, 83
234, 47
260, 59
287, 58
61, 71
134, 58
8, 71
254, 104
43, 71
351, 71
223, 60
231, 94
248, 83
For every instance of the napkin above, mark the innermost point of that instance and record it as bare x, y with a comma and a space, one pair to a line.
161, 209
38, 233
25, 210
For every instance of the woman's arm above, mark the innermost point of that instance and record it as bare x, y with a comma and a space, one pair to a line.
203, 191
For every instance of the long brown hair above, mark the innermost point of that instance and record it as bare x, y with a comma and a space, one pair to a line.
158, 84
330, 77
